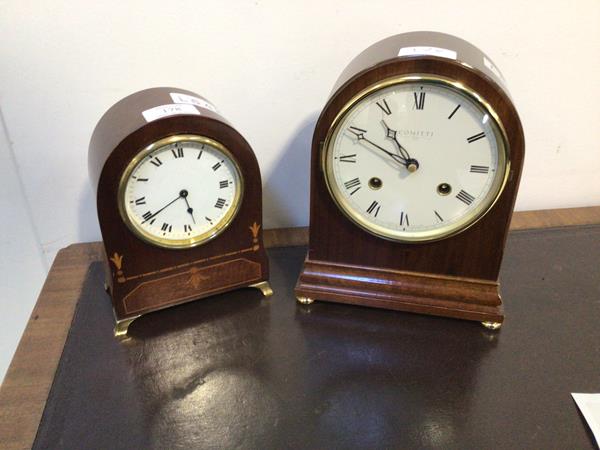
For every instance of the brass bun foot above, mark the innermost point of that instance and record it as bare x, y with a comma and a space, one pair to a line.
305, 300
492, 325
122, 326
264, 287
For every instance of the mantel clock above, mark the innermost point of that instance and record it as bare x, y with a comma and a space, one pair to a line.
416, 160
179, 203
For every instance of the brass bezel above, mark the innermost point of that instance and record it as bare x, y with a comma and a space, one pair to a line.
217, 229
429, 235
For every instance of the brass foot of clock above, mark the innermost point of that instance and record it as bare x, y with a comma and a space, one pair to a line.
492, 325
305, 300
264, 287
122, 326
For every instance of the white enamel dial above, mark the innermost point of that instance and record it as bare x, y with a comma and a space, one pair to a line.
415, 160
181, 191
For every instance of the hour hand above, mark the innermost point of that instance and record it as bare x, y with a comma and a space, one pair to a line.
411, 163
392, 134
190, 210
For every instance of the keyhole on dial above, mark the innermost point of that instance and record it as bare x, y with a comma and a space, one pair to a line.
444, 189
375, 183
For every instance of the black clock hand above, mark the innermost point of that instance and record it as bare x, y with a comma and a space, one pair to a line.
361, 137
411, 163
166, 206
392, 134
189, 208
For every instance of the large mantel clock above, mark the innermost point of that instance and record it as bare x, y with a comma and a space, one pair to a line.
179, 203
416, 160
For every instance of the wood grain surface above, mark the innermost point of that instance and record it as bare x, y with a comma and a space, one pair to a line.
29, 378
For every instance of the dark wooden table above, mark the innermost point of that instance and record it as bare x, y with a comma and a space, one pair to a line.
330, 374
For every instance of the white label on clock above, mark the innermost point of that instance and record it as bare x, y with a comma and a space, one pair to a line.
158, 112
192, 100
490, 65
425, 50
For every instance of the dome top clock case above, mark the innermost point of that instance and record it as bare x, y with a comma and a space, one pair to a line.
416, 160
179, 203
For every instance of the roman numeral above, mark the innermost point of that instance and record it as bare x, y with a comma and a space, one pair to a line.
374, 208
475, 137
166, 227
177, 152
187, 228
223, 184
438, 215
208, 219
453, 112
156, 161
220, 203
404, 219
419, 100
200, 152
147, 215
142, 179
354, 183
141, 201
348, 158
384, 107
465, 197
358, 132
480, 169
216, 166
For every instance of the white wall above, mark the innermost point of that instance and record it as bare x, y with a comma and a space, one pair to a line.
268, 66
22, 264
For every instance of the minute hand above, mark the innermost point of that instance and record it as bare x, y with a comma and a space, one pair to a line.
397, 158
161, 209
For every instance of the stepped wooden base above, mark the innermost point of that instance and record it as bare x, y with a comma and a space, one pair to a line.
438, 295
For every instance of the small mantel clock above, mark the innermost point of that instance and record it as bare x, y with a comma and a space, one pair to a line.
178, 194
416, 160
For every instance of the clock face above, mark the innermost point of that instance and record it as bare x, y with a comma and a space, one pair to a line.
180, 191
415, 159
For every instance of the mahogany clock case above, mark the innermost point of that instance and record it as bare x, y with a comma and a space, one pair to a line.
142, 277
456, 276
